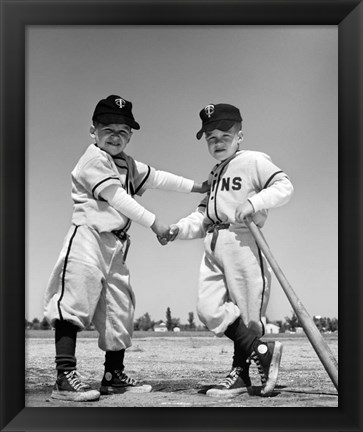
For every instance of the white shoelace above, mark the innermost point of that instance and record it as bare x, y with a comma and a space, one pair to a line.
230, 379
124, 378
73, 378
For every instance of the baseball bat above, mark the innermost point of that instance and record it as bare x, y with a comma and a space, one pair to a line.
316, 339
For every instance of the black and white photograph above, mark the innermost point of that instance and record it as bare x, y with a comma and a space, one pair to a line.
181, 215
161, 327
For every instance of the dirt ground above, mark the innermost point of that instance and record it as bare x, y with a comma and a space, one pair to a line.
181, 369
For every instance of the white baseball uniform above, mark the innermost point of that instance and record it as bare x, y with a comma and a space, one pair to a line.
235, 278
90, 281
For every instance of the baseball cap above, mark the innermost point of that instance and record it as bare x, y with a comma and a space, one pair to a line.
218, 116
115, 109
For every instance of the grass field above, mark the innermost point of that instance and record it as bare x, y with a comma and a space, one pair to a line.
181, 367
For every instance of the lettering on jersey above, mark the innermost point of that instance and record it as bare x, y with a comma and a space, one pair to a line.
227, 183
237, 183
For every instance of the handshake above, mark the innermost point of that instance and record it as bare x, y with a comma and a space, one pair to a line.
164, 233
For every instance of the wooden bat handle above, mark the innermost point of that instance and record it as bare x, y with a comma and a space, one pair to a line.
316, 339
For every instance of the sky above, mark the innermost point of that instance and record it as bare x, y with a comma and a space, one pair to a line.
284, 79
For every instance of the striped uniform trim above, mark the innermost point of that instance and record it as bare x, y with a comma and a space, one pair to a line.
126, 169
127, 226
208, 216
64, 272
269, 180
144, 180
103, 181
215, 195
128, 183
222, 166
264, 286
130, 186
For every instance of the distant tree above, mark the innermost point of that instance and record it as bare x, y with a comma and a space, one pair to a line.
175, 322
191, 323
292, 322
169, 322
144, 323
35, 324
318, 323
326, 324
334, 324
283, 326
44, 325
27, 323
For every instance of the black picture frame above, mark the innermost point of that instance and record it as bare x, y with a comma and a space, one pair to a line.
15, 17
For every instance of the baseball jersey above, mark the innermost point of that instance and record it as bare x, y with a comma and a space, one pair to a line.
247, 175
96, 170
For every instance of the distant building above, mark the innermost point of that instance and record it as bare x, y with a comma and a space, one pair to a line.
161, 327
272, 328
299, 330
176, 329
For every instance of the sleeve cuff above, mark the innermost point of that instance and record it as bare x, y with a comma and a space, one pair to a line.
147, 219
187, 184
257, 202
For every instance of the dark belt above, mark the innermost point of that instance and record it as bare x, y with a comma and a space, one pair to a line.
215, 230
124, 237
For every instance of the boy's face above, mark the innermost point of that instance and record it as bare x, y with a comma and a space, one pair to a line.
223, 144
112, 138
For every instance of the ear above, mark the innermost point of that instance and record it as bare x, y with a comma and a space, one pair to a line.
92, 131
240, 137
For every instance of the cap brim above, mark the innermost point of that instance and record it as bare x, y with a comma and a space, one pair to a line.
117, 119
222, 125
200, 133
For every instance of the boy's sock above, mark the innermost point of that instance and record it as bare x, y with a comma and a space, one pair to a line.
65, 346
115, 381
114, 360
243, 340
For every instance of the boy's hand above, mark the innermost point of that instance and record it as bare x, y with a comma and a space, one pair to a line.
201, 188
173, 232
162, 240
160, 229
244, 210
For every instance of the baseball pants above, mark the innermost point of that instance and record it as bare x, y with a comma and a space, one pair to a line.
234, 280
91, 283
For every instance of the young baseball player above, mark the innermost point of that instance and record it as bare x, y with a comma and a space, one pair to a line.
234, 280
90, 281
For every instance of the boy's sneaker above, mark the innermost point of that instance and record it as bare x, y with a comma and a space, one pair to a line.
236, 382
267, 357
69, 387
116, 382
